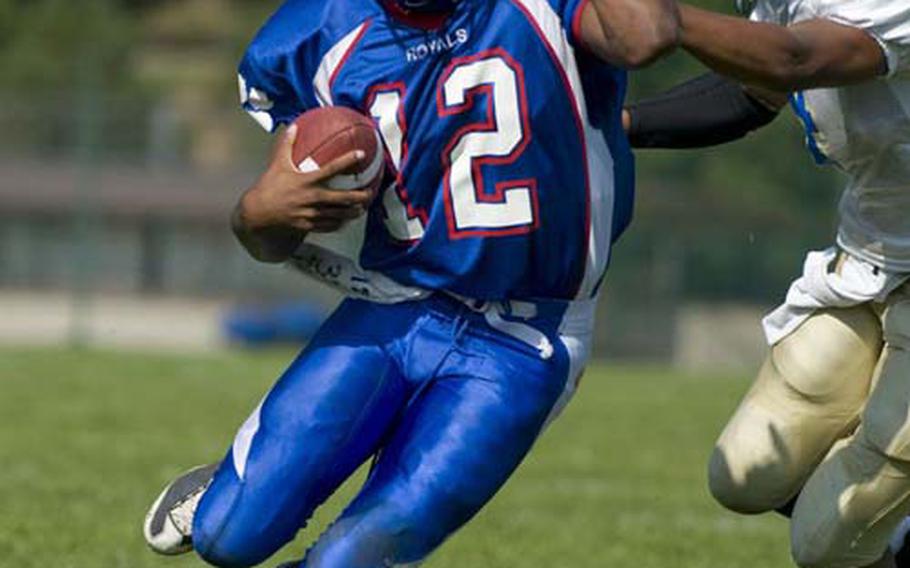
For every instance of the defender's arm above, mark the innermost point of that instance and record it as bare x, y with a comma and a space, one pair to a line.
706, 111
630, 33
810, 54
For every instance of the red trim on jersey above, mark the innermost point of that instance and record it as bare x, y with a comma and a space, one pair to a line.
477, 163
423, 21
347, 54
579, 125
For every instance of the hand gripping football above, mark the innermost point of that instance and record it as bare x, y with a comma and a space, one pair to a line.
328, 133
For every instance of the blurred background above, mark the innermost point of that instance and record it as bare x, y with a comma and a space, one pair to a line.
122, 151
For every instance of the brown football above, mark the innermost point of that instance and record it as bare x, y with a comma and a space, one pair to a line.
325, 134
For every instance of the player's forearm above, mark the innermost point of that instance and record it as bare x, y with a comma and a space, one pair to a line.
272, 244
751, 52
631, 33
817, 53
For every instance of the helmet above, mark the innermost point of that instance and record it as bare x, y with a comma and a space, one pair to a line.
426, 5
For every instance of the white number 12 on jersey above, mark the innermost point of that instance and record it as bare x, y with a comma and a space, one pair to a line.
471, 211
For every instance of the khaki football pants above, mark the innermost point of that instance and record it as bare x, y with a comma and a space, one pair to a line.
828, 419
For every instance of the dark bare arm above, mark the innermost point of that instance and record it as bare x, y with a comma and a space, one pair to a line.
273, 217
815, 53
630, 33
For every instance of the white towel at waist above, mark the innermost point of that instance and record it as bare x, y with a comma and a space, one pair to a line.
829, 282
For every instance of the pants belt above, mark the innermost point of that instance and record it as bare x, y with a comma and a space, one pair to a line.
493, 313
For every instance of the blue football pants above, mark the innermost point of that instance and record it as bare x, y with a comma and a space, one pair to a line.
449, 403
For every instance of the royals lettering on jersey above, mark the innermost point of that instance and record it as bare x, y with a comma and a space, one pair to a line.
514, 177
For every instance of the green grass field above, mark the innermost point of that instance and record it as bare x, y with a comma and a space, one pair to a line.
88, 439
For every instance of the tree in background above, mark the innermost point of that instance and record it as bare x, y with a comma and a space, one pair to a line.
739, 217
728, 223
44, 43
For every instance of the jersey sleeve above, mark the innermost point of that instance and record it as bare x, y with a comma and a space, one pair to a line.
276, 72
888, 21
267, 94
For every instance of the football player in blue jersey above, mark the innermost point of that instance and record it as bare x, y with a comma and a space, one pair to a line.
471, 297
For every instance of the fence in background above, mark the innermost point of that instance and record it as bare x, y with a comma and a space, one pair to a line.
132, 197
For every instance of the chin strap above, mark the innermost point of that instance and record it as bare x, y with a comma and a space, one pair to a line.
432, 6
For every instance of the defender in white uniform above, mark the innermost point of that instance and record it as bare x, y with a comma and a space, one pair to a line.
863, 129
824, 433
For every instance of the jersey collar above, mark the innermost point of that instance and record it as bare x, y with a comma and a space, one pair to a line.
414, 19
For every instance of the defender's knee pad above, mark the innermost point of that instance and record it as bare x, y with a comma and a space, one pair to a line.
754, 467
832, 355
810, 390
744, 496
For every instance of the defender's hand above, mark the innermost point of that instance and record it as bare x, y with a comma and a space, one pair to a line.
284, 197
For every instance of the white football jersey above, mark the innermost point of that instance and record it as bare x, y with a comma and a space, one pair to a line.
863, 129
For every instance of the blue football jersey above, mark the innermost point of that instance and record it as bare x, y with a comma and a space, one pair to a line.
513, 176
